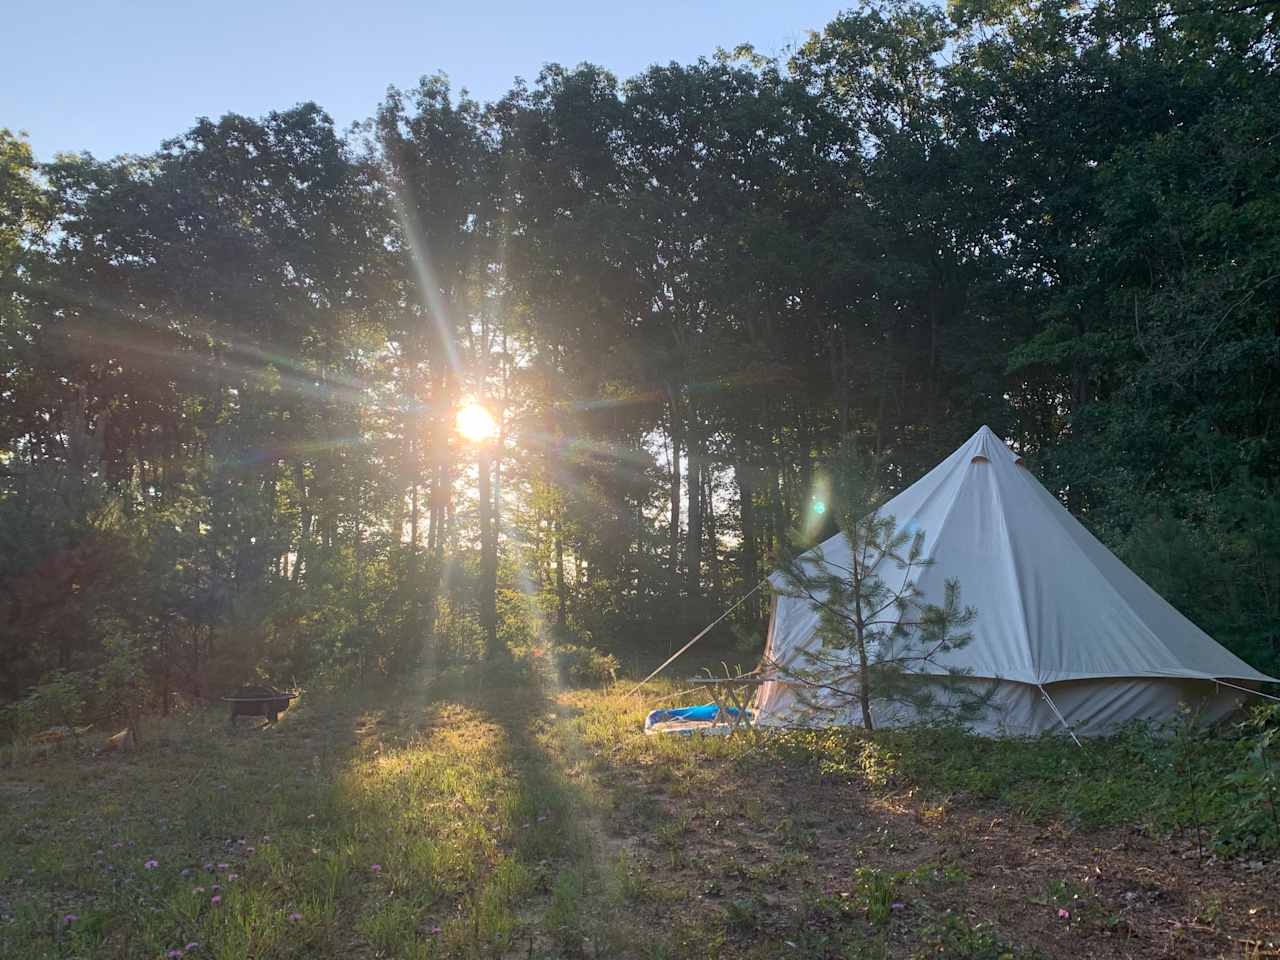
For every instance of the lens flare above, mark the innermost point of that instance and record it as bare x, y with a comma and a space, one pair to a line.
476, 424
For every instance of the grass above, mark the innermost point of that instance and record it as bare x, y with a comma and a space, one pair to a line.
418, 829
491, 818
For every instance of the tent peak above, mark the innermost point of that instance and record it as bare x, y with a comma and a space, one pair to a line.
987, 443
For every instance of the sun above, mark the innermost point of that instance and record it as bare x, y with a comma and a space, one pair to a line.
476, 423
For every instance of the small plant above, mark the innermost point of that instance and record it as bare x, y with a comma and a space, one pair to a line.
628, 879
1256, 820
121, 684
564, 916
742, 915
876, 892
796, 836
877, 628
1062, 896
1187, 745
585, 666
951, 936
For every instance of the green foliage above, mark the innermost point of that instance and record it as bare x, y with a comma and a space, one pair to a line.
584, 666
122, 683
952, 936
232, 366
58, 699
1216, 787
1220, 567
1255, 821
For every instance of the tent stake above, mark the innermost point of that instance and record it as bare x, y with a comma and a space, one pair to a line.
1058, 713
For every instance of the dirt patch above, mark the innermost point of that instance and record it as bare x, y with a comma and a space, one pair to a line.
755, 850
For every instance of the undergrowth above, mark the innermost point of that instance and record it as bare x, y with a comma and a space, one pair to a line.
1224, 784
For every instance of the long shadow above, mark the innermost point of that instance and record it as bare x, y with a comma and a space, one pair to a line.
553, 817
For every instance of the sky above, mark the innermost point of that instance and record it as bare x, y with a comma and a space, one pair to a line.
120, 76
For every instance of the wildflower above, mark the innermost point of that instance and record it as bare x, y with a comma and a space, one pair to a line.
174, 953
197, 889
1064, 914
295, 916
191, 946
215, 900
897, 905
223, 866
70, 918
216, 887
250, 850
209, 867
376, 868
98, 853
117, 845
233, 876
435, 931
186, 871
151, 864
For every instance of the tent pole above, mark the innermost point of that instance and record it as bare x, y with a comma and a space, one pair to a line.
705, 630
1256, 693
1058, 713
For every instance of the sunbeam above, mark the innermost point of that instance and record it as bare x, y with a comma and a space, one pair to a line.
428, 285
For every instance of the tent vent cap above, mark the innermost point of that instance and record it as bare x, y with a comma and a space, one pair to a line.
979, 459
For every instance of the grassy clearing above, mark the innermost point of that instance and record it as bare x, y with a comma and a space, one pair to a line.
420, 828
491, 819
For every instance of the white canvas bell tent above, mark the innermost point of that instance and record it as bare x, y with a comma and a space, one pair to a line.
1065, 634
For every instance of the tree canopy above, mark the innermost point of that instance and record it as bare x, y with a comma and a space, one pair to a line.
232, 367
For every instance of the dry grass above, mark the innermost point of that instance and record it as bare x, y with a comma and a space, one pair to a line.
505, 821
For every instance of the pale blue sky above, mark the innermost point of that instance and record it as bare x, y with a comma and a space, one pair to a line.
116, 76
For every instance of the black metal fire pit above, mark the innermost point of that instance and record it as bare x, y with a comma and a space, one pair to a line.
259, 702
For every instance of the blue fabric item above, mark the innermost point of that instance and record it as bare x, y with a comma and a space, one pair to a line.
706, 711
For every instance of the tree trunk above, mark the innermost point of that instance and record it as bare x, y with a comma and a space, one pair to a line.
745, 475
674, 561
413, 517
304, 534
561, 594
860, 640
776, 511
713, 540
488, 559
693, 541
864, 686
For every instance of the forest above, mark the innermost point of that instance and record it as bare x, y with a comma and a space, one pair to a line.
232, 368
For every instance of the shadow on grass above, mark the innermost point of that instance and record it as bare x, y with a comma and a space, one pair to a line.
122, 855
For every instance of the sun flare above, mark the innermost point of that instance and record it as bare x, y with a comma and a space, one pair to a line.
476, 423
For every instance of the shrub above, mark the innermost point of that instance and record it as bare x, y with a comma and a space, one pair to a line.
585, 666
58, 700
1255, 821
121, 685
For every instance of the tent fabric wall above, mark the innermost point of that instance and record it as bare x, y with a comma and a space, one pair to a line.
1055, 608
1090, 707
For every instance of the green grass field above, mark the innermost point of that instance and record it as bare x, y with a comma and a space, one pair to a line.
488, 818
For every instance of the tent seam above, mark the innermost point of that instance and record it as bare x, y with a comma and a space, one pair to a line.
1017, 583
